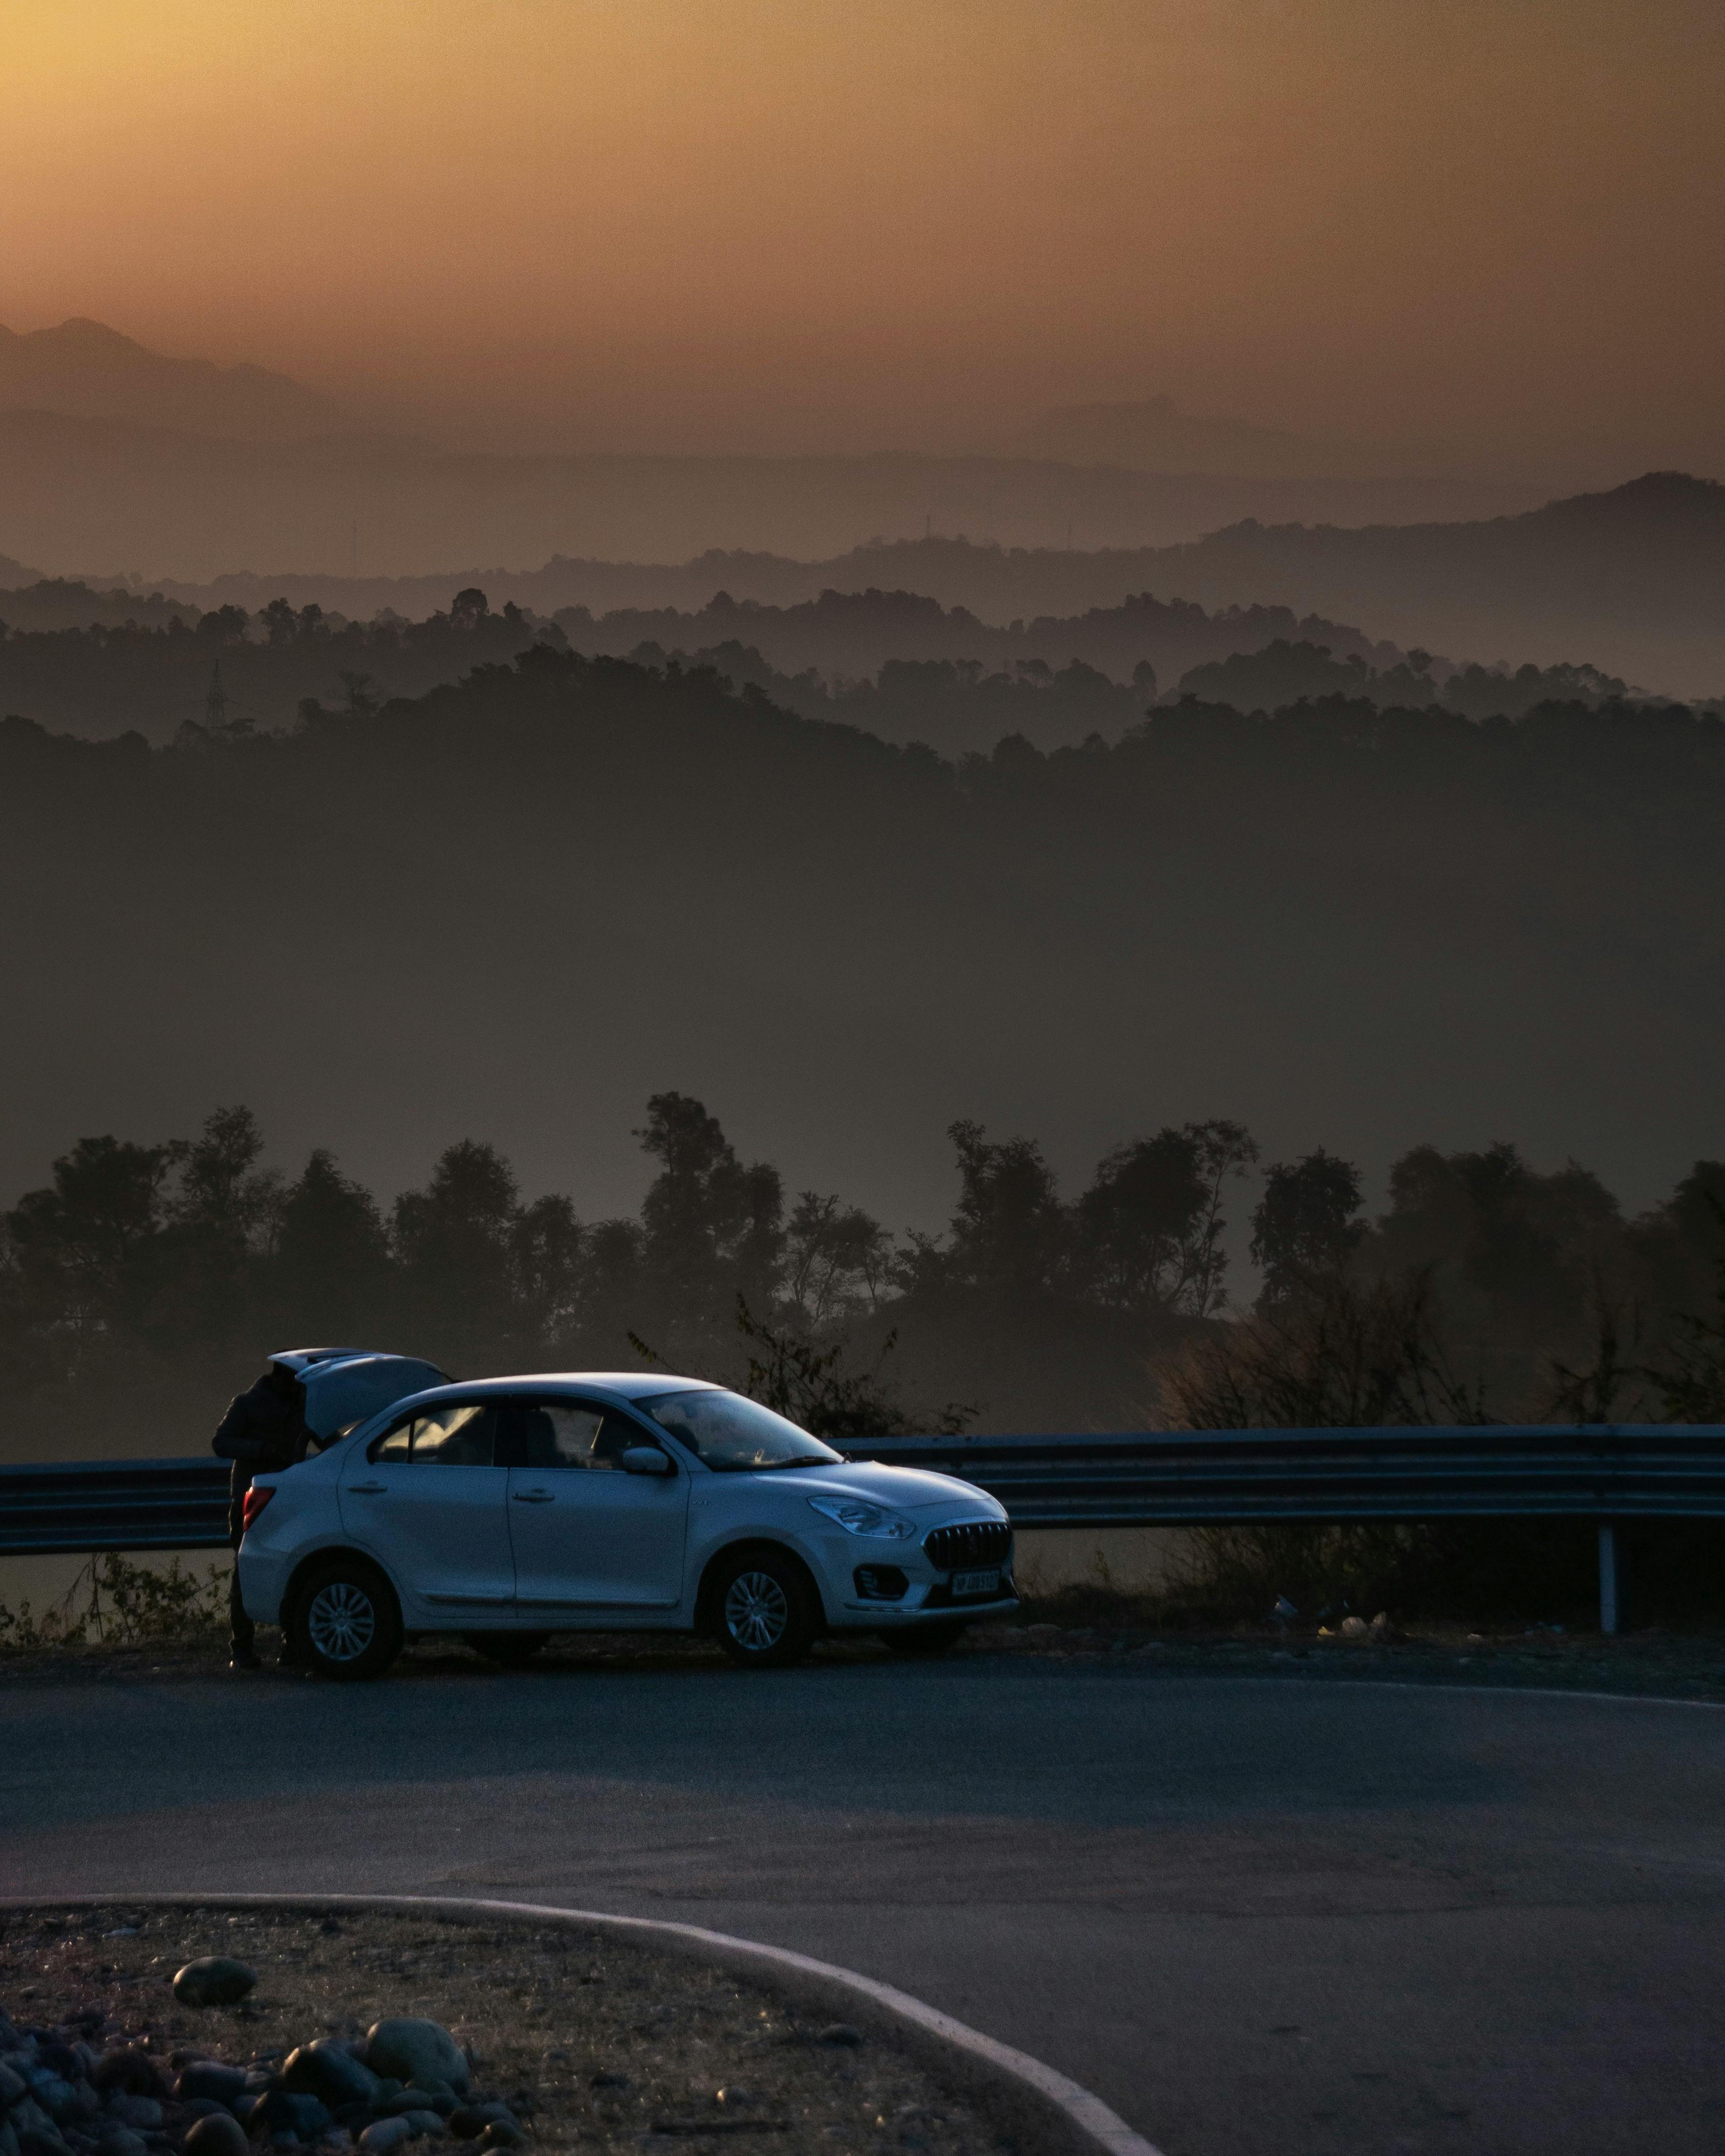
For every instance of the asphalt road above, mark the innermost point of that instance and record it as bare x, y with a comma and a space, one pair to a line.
1254, 1916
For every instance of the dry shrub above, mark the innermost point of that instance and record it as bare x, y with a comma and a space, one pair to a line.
121, 1605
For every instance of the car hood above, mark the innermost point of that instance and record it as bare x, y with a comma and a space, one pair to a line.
904, 1489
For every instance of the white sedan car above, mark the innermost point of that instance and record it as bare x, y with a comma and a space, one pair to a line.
510, 1508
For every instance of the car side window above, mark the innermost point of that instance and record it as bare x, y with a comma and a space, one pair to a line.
572, 1433
395, 1443
459, 1434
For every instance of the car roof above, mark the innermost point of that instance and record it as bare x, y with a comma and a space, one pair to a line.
622, 1384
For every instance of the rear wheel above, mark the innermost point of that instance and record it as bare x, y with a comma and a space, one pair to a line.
767, 1618
509, 1650
346, 1622
924, 1639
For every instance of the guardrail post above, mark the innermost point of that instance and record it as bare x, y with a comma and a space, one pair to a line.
1610, 1580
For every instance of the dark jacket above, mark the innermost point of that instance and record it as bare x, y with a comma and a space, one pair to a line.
263, 1432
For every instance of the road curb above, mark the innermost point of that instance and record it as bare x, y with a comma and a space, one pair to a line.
1046, 2113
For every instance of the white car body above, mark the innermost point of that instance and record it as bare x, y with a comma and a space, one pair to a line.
471, 1549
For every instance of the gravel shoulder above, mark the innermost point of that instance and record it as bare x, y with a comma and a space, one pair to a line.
1651, 1663
592, 2041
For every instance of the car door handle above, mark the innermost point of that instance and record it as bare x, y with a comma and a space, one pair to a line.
533, 1498
368, 1488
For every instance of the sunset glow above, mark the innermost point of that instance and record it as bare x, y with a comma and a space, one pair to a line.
794, 223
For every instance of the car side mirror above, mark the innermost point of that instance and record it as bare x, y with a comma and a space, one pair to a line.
646, 1460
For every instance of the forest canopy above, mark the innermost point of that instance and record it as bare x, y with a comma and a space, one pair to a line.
533, 898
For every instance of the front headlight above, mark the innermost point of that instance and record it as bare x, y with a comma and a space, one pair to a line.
857, 1517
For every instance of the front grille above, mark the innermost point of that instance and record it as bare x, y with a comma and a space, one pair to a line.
969, 1545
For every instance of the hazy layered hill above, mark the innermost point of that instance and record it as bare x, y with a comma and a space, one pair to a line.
1633, 577
148, 664
50, 603
1627, 581
95, 496
843, 635
902, 667
1155, 435
514, 908
84, 370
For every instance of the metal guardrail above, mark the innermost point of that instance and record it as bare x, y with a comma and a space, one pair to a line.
85, 1506
1606, 1473
1186, 1478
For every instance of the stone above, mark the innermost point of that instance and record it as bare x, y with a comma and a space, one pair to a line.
283, 2111
83, 2110
143, 2114
471, 2119
213, 2078
423, 2123
51, 2092
841, 2034
130, 2067
503, 2133
37, 2140
8, 2139
219, 2134
214, 1981
13, 2086
418, 2053
328, 2069
386, 2134
414, 2099
1354, 1628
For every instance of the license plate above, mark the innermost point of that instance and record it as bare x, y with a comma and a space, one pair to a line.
977, 1583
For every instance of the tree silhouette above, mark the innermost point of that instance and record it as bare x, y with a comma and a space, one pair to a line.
1306, 1224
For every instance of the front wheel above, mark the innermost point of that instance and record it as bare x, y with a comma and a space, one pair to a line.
346, 1623
766, 1612
509, 1650
924, 1639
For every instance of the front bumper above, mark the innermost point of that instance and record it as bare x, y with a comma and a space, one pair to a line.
927, 1602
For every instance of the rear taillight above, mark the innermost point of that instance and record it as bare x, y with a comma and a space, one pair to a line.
255, 1501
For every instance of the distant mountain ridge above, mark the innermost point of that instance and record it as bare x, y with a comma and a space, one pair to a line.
1155, 435
1627, 580
92, 496
1632, 576
83, 369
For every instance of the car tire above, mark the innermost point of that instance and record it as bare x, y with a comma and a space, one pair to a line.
924, 1639
764, 1610
346, 1622
510, 1650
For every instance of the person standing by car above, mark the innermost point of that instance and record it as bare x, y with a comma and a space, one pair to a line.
264, 1430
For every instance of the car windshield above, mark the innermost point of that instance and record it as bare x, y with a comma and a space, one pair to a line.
732, 1434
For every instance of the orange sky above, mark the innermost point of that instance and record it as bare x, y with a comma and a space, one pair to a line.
795, 224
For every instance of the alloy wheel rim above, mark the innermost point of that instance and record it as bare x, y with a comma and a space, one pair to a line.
341, 1622
757, 1611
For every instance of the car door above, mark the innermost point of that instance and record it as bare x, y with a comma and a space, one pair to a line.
587, 1535
430, 1499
